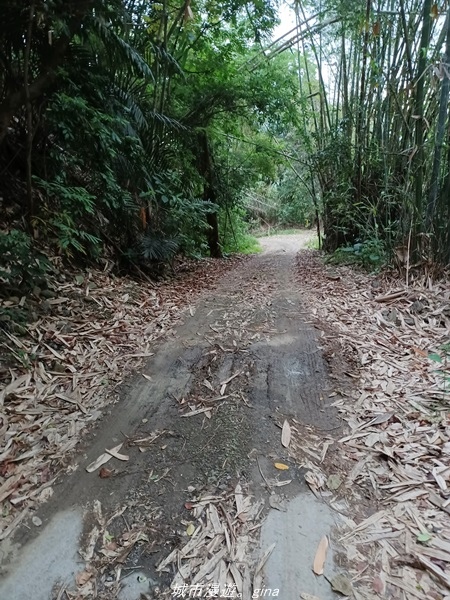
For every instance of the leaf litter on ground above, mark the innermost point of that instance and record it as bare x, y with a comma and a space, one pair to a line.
390, 341
58, 376
218, 547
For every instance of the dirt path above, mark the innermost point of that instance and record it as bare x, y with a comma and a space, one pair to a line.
245, 360
290, 244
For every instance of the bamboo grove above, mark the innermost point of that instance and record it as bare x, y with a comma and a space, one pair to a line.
379, 124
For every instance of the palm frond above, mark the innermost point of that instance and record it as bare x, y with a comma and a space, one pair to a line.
122, 49
167, 121
129, 101
163, 57
159, 249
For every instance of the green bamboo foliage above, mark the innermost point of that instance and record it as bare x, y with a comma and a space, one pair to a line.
379, 160
436, 187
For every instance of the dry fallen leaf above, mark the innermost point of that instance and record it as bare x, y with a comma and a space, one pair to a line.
334, 482
115, 454
257, 577
82, 578
342, 584
239, 498
383, 418
208, 384
104, 473
277, 503
321, 555
102, 459
280, 483
286, 434
315, 479
281, 466
378, 585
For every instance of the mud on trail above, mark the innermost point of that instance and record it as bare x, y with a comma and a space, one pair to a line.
202, 427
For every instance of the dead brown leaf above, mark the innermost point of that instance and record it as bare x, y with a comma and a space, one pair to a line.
320, 556
286, 434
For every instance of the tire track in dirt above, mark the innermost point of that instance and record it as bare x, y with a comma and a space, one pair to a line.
250, 332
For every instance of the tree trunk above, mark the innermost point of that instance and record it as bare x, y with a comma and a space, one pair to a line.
361, 114
213, 235
206, 170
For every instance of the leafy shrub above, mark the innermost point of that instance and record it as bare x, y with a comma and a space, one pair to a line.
158, 249
20, 265
90, 187
72, 238
236, 236
371, 255
66, 224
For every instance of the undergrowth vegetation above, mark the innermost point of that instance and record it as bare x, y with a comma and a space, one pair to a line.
372, 255
124, 128
20, 265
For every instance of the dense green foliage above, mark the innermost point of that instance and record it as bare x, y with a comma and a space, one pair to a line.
19, 264
116, 120
139, 130
377, 130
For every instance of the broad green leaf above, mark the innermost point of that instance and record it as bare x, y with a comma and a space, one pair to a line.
424, 538
435, 357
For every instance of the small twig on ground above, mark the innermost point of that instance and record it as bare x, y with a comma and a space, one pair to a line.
61, 592
262, 475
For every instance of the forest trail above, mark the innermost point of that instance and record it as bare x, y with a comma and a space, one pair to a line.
279, 390
297, 417
246, 359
